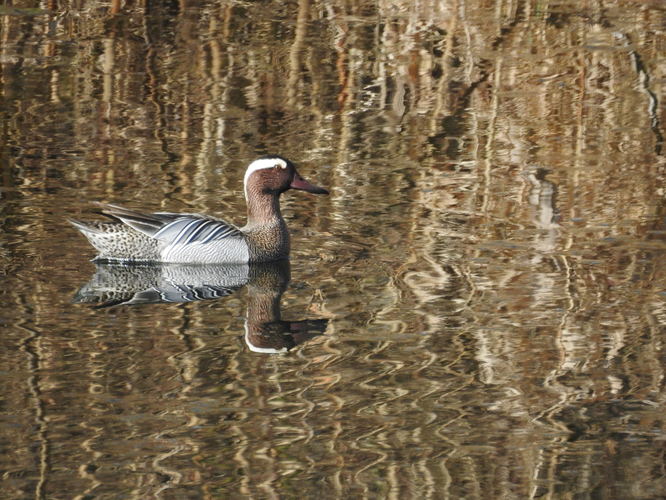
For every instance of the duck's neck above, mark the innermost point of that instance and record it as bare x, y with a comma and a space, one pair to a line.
263, 209
266, 230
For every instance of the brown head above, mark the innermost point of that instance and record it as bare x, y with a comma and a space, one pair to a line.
275, 175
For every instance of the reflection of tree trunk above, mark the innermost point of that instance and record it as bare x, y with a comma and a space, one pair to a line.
115, 7
296, 53
342, 63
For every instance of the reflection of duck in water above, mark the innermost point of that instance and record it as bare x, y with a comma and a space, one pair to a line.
265, 331
201, 239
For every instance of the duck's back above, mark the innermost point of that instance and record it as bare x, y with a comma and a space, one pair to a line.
164, 237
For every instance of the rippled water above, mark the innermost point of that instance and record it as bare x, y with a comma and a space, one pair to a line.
476, 311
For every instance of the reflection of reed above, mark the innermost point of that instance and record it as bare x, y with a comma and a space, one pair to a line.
32, 348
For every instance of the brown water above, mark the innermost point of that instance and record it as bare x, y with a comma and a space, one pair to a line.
484, 290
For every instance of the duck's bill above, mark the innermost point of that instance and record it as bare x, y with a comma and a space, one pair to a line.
303, 185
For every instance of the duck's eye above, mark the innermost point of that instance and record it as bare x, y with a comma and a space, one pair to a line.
280, 165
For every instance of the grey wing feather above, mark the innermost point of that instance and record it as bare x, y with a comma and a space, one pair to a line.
174, 228
149, 224
192, 229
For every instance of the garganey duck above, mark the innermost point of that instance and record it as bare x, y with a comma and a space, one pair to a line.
133, 236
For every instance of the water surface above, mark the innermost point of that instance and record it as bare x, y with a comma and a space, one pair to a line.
484, 289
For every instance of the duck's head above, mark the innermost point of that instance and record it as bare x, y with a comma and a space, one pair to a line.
274, 174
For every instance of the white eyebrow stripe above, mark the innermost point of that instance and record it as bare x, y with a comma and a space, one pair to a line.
260, 165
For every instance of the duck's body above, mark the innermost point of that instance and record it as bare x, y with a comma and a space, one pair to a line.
200, 239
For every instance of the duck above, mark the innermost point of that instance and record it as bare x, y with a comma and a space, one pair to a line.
185, 238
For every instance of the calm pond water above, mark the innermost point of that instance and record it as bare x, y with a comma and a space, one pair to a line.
476, 311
